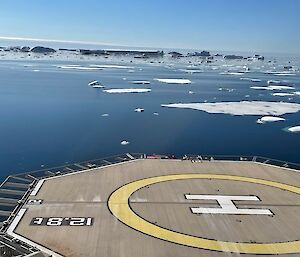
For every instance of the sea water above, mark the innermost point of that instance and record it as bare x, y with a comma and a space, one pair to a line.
50, 116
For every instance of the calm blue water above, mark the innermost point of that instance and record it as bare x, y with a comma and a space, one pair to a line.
53, 117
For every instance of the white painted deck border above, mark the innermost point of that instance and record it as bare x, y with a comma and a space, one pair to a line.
14, 224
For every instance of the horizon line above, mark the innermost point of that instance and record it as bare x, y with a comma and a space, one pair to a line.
120, 45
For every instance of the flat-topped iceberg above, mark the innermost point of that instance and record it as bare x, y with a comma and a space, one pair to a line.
127, 90
241, 108
266, 119
174, 81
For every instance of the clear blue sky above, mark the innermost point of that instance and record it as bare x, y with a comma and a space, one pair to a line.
254, 25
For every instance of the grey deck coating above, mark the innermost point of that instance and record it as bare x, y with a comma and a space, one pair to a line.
86, 194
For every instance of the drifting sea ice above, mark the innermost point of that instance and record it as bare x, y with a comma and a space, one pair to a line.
283, 94
266, 119
294, 129
174, 81
273, 88
77, 67
143, 82
241, 108
111, 66
127, 90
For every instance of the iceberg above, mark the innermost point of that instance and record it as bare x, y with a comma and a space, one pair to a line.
127, 90
174, 81
241, 108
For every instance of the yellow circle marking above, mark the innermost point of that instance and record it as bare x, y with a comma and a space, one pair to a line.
118, 204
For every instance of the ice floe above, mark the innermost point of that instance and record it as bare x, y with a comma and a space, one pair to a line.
241, 108
111, 66
279, 87
174, 81
191, 70
280, 73
143, 82
255, 80
95, 84
233, 73
270, 82
76, 67
284, 74
283, 94
266, 119
127, 90
125, 142
294, 129
139, 110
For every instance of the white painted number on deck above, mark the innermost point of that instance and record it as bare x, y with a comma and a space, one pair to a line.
227, 205
62, 221
35, 201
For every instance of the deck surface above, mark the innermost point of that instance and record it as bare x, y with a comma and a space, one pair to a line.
164, 206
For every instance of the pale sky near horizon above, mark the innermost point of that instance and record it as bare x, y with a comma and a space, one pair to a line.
256, 25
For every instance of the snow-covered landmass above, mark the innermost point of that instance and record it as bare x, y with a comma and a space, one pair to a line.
266, 119
174, 81
241, 108
127, 90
